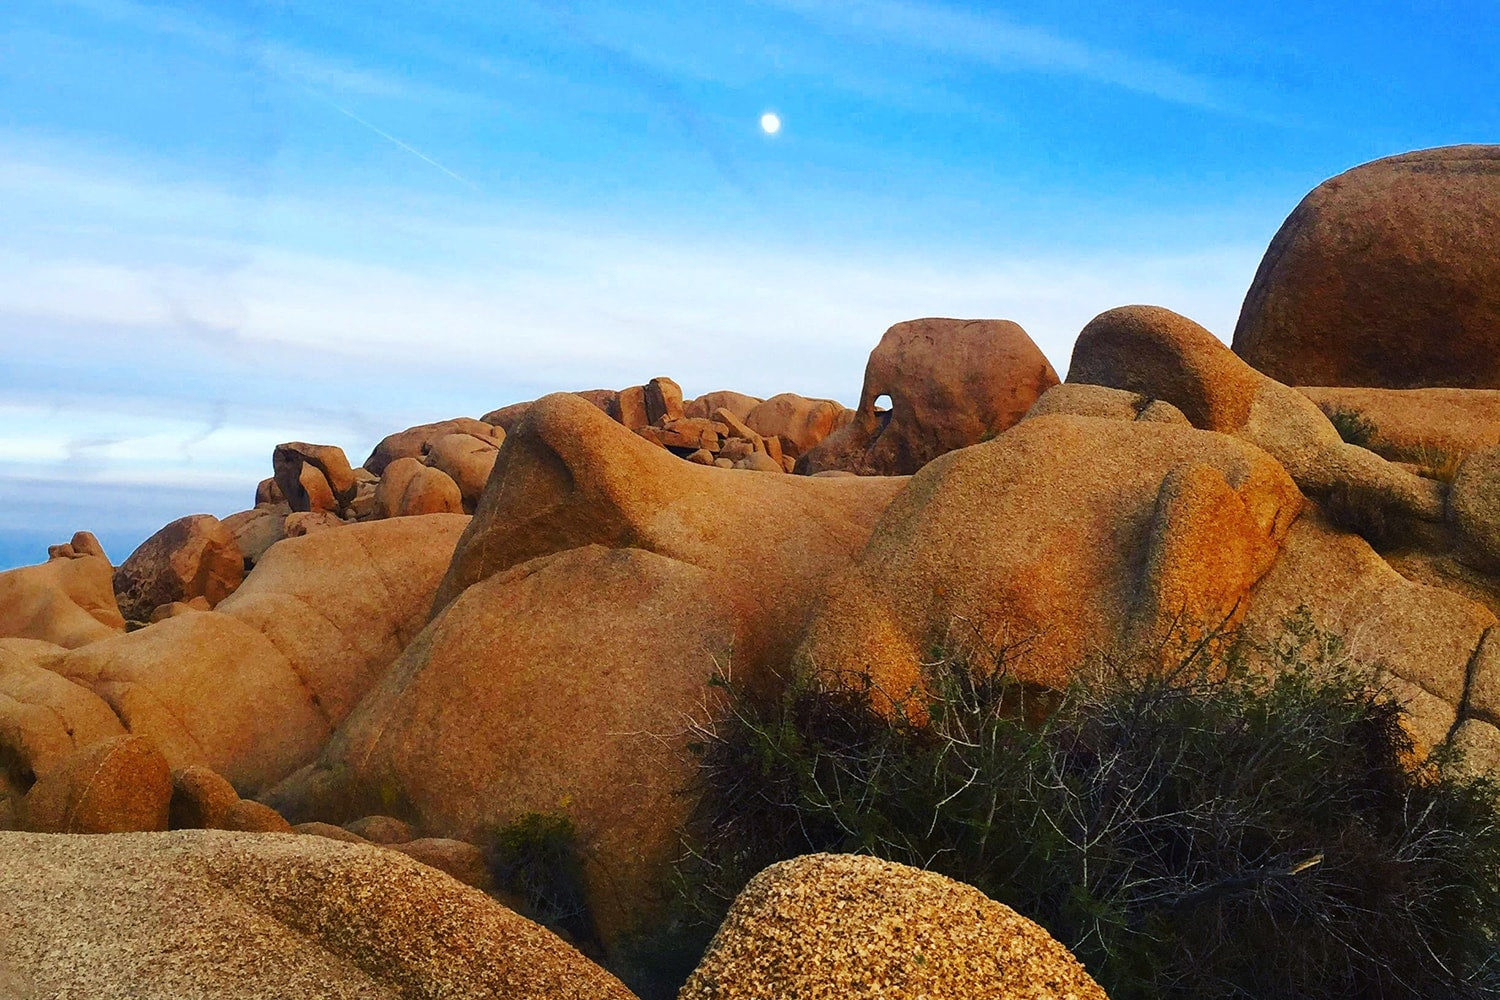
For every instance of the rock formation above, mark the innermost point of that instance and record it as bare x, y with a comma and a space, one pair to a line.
952, 383
609, 651
68, 600
1071, 535
191, 557
1385, 276
568, 476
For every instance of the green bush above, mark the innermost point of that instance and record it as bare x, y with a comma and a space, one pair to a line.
536, 860
1214, 832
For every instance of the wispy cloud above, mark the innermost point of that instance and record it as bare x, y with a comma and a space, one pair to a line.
1000, 44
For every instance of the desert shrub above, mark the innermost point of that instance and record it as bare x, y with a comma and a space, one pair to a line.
1436, 462
1354, 427
536, 859
1208, 832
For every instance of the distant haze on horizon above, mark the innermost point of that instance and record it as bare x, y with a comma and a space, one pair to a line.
228, 225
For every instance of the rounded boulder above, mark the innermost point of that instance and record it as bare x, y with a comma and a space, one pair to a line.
1385, 276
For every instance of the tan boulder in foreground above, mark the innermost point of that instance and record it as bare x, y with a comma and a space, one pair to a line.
856, 927
68, 600
562, 686
951, 383
1385, 276
225, 915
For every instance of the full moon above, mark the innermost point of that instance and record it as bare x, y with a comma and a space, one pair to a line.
770, 123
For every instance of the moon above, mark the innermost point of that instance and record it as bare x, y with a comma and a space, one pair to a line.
770, 123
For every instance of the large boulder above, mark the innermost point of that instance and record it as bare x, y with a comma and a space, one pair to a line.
1385, 276
569, 476
226, 915
1162, 355
194, 556
68, 600
737, 403
466, 459
1068, 536
313, 476
44, 719
843, 925
951, 383
254, 688
119, 785
797, 423
409, 489
562, 686
414, 442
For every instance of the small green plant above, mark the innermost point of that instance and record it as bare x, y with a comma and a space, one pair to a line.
1211, 832
1354, 427
536, 859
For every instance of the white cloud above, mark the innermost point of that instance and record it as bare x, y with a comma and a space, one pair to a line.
994, 42
186, 355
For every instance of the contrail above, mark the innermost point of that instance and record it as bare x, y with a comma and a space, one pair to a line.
392, 139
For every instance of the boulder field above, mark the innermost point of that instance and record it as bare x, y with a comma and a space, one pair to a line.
297, 733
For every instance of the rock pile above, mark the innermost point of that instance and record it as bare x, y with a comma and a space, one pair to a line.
517, 616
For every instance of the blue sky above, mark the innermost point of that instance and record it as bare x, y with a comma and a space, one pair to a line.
227, 225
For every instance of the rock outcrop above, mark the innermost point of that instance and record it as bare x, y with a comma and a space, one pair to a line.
226, 915
68, 600
1438, 650
1429, 430
415, 442
830, 925
467, 460
313, 477
562, 686
1161, 355
1385, 276
254, 688
568, 476
952, 383
1070, 535
194, 556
